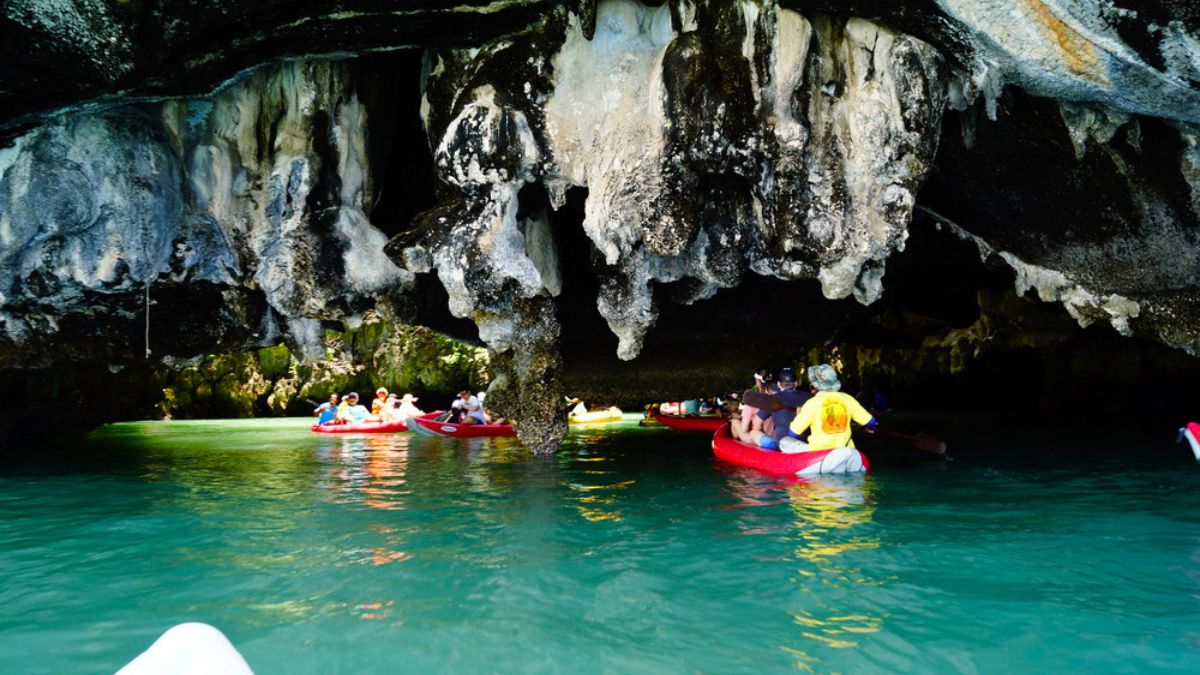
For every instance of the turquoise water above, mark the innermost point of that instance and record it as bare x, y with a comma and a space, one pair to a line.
629, 551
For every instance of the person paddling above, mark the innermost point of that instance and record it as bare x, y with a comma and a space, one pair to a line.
469, 407
327, 412
782, 418
826, 416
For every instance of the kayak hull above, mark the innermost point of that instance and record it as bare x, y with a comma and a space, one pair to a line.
596, 416
682, 423
429, 425
361, 428
837, 460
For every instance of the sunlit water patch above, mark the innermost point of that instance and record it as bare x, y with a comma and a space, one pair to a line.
631, 550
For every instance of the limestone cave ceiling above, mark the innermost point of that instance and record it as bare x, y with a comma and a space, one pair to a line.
221, 164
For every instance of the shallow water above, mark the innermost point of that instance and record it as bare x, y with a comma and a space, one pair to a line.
629, 551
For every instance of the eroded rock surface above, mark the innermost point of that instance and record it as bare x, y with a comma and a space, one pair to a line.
716, 141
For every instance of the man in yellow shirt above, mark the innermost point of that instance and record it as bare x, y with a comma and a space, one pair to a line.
826, 416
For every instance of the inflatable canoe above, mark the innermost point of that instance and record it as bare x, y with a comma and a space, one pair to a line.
612, 414
1191, 433
429, 426
361, 428
693, 423
837, 460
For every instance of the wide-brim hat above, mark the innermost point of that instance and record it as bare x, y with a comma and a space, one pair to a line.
408, 398
824, 378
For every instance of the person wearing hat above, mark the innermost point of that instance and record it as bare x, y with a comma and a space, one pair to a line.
405, 408
381, 400
353, 413
792, 399
469, 407
826, 416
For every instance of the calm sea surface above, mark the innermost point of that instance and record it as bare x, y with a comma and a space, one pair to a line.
630, 551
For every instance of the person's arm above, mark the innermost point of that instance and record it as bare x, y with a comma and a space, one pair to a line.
861, 415
804, 419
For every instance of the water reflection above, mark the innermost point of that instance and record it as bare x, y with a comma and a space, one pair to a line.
831, 518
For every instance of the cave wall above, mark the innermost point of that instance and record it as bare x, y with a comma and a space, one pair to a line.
240, 219
175, 182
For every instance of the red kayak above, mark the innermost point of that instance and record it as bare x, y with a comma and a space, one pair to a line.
691, 423
428, 425
361, 428
1191, 434
837, 460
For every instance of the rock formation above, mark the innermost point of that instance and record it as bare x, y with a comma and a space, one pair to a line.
165, 194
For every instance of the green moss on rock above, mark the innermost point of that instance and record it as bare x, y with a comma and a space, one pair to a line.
272, 381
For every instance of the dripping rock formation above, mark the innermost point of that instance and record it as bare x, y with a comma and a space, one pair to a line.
593, 184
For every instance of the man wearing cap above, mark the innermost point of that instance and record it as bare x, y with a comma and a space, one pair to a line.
353, 413
826, 416
782, 419
470, 407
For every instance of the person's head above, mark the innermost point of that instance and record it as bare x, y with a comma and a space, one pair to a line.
381, 393
409, 398
464, 394
786, 379
333, 398
764, 381
352, 398
824, 378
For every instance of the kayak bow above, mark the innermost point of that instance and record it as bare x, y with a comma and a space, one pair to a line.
429, 426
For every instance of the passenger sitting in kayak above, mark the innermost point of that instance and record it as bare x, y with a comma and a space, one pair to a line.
327, 412
782, 419
353, 413
381, 400
826, 416
469, 408
707, 407
690, 407
749, 426
405, 408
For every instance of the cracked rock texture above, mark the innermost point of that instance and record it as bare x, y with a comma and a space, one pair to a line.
170, 186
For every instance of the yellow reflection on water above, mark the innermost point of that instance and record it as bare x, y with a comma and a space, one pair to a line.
595, 501
831, 516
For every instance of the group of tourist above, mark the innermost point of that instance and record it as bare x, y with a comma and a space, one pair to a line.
386, 408
823, 412
694, 406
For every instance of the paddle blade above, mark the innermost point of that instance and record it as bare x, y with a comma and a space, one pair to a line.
930, 444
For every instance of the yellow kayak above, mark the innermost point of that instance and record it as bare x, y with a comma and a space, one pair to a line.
594, 416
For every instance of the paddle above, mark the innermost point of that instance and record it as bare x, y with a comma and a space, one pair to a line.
921, 441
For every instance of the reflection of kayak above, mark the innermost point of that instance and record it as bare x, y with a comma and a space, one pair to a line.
361, 428
428, 425
837, 460
692, 423
592, 416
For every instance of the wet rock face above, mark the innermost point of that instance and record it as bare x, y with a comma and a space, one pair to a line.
186, 227
719, 143
713, 141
